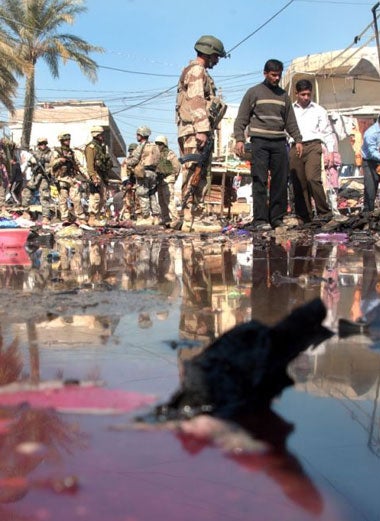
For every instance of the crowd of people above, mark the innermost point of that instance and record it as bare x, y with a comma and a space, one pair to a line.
69, 189
288, 143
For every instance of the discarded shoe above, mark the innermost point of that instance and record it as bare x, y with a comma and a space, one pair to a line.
93, 221
278, 223
330, 226
259, 227
144, 221
324, 218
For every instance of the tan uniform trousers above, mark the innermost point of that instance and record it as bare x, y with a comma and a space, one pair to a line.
97, 200
188, 145
70, 191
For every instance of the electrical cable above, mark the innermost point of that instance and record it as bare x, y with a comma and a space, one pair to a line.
260, 27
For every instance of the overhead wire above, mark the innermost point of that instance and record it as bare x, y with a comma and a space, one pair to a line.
354, 42
261, 26
225, 80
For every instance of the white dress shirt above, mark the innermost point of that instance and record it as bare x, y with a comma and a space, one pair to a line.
314, 123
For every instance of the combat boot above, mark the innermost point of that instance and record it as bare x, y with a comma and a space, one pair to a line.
94, 221
144, 221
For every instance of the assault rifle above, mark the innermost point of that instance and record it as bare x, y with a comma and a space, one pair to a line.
39, 168
217, 110
202, 161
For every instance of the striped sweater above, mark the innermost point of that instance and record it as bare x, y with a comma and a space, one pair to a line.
268, 113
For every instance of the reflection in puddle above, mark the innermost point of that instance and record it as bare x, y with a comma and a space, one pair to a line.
132, 310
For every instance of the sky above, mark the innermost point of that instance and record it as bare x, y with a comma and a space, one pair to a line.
147, 43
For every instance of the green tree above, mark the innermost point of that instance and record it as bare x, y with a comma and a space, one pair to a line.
10, 62
32, 27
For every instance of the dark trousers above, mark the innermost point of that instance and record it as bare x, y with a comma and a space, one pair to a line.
306, 178
269, 155
371, 184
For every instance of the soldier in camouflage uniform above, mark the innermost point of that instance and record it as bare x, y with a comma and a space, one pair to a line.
65, 170
99, 166
40, 179
144, 161
195, 94
129, 181
168, 169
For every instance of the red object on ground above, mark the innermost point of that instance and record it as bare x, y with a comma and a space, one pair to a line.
14, 257
12, 242
78, 399
13, 237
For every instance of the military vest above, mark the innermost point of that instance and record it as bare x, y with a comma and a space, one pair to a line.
103, 163
43, 157
164, 165
68, 154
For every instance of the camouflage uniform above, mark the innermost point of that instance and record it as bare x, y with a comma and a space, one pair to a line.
196, 89
168, 169
144, 160
99, 166
40, 165
196, 93
64, 168
129, 209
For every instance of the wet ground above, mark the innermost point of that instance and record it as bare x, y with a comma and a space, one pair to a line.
126, 311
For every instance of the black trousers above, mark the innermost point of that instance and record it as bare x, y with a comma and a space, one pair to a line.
371, 184
269, 156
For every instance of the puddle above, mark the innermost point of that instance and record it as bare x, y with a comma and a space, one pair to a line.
129, 312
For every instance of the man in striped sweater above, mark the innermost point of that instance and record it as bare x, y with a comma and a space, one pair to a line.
267, 114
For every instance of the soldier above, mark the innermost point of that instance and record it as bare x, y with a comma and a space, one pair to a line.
196, 94
144, 161
99, 166
129, 188
65, 170
40, 179
168, 169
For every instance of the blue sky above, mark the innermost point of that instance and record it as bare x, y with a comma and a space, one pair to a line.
152, 40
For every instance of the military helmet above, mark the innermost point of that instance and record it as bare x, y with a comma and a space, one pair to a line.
132, 147
63, 136
144, 131
208, 44
42, 140
161, 139
96, 130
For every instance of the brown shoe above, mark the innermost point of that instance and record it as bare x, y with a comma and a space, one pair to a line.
98, 222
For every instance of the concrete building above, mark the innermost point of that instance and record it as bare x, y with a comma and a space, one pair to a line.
75, 117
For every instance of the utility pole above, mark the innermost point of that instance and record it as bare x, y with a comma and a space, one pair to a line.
374, 9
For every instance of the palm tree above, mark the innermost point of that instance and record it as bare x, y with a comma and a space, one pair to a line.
32, 26
10, 62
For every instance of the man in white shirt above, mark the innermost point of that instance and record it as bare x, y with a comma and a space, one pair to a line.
306, 169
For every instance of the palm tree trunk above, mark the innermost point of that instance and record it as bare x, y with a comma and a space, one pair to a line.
29, 101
